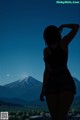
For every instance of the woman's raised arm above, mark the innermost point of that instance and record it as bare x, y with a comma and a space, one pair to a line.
74, 29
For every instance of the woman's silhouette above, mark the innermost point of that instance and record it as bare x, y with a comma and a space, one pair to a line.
58, 84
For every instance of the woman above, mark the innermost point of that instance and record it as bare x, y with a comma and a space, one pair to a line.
58, 84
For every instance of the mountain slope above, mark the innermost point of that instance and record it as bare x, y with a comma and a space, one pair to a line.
77, 82
32, 94
5, 92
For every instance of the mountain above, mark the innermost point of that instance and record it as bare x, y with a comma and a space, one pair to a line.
26, 90
77, 82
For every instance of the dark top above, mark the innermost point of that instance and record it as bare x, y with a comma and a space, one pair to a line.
57, 58
60, 78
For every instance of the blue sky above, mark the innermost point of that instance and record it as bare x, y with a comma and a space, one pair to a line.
22, 24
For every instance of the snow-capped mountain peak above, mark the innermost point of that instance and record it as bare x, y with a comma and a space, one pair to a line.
25, 79
23, 83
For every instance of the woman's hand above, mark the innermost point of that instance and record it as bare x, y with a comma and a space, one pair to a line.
42, 96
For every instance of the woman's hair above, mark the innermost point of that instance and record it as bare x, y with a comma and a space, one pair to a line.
51, 35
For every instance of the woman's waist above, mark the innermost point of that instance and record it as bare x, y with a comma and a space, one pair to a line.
58, 69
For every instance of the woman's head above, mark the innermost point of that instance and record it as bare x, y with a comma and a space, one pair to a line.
51, 35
